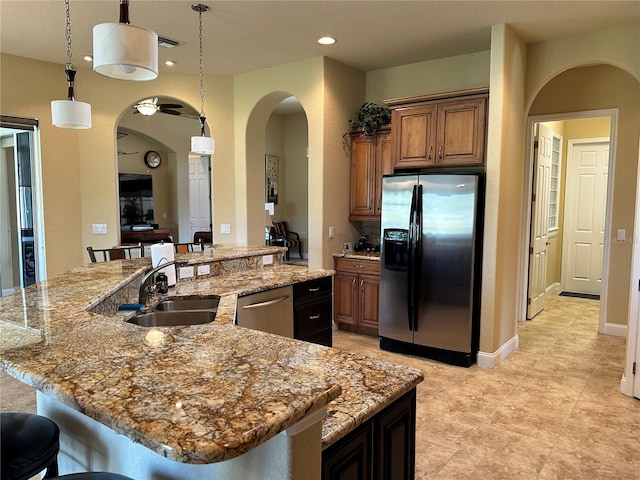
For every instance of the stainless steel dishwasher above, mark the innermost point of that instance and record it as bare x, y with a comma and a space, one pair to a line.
270, 311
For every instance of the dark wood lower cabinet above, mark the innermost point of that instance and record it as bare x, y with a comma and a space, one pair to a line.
383, 448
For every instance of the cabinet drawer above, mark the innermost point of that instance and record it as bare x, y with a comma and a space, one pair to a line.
311, 317
357, 266
306, 291
323, 337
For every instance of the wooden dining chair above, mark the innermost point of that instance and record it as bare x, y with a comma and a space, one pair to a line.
290, 239
188, 247
116, 253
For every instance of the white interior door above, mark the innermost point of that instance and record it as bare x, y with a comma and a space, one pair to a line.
539, 223
199, 195
585, 213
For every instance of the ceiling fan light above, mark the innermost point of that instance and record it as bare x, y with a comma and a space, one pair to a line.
70, 114
125, 52
203, 145
147, 109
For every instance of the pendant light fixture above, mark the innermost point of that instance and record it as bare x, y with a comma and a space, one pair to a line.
201, 144
70, 113
125, 51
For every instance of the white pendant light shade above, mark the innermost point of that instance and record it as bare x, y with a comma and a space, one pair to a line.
125, 52
70, 114
203, 145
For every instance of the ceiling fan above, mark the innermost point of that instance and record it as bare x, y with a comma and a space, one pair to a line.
150, 106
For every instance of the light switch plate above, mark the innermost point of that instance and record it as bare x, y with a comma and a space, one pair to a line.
225, 228
622, 235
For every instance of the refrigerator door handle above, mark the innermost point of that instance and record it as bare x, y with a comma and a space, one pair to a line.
411, 290
417, 249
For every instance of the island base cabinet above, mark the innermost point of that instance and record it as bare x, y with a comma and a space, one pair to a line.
383, 448
87, 445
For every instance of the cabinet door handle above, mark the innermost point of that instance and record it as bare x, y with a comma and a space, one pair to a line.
440, 152
314, 317
316, 289
429, 153
361, 286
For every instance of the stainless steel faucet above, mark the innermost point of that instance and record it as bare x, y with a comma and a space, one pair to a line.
147, 288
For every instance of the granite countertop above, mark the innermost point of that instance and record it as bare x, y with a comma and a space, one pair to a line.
205, 393
373, 256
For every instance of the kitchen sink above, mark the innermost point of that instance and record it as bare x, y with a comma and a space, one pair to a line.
159, 318
178, 304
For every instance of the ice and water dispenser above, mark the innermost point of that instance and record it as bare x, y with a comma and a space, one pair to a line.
396, 248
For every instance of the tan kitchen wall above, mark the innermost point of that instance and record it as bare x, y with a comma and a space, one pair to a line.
79, 166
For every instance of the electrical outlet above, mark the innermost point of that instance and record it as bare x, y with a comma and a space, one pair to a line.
186, 272
622, 235
225, 228
331, 232
204, 269
99, 229
267, 260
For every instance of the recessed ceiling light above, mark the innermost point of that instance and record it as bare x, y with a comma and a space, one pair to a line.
169, 63
88, 58
326, 40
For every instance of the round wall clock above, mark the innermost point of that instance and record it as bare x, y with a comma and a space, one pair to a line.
152, 159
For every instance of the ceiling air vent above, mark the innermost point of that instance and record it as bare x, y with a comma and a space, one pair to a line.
167, 42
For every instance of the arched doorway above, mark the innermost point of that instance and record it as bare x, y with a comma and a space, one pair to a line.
602, 88
278, 129
177, 178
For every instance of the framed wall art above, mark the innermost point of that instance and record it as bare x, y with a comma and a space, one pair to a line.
271, 178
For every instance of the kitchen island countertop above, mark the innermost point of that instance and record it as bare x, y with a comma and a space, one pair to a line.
204, 393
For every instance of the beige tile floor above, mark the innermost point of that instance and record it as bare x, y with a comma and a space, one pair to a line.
551, 410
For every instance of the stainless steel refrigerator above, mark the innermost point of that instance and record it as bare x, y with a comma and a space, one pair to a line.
430, 265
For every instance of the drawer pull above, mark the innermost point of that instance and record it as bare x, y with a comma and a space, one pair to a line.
316, 289
314, 317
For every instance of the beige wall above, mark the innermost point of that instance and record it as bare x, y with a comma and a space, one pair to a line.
603, 87
504, 191
328, 92
297, 176
433, 76
80, 166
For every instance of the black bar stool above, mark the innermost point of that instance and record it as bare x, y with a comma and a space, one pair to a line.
92, 476
29, 444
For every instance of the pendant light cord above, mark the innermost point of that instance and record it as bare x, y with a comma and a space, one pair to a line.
201, 68
69, 65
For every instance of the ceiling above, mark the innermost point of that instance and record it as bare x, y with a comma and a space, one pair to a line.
241, 36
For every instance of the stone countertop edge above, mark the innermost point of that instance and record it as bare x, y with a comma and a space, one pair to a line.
273, 381
370, 256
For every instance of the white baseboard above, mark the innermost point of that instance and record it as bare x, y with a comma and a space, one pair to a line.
615, 329
490, 360
553, 288
626, 388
